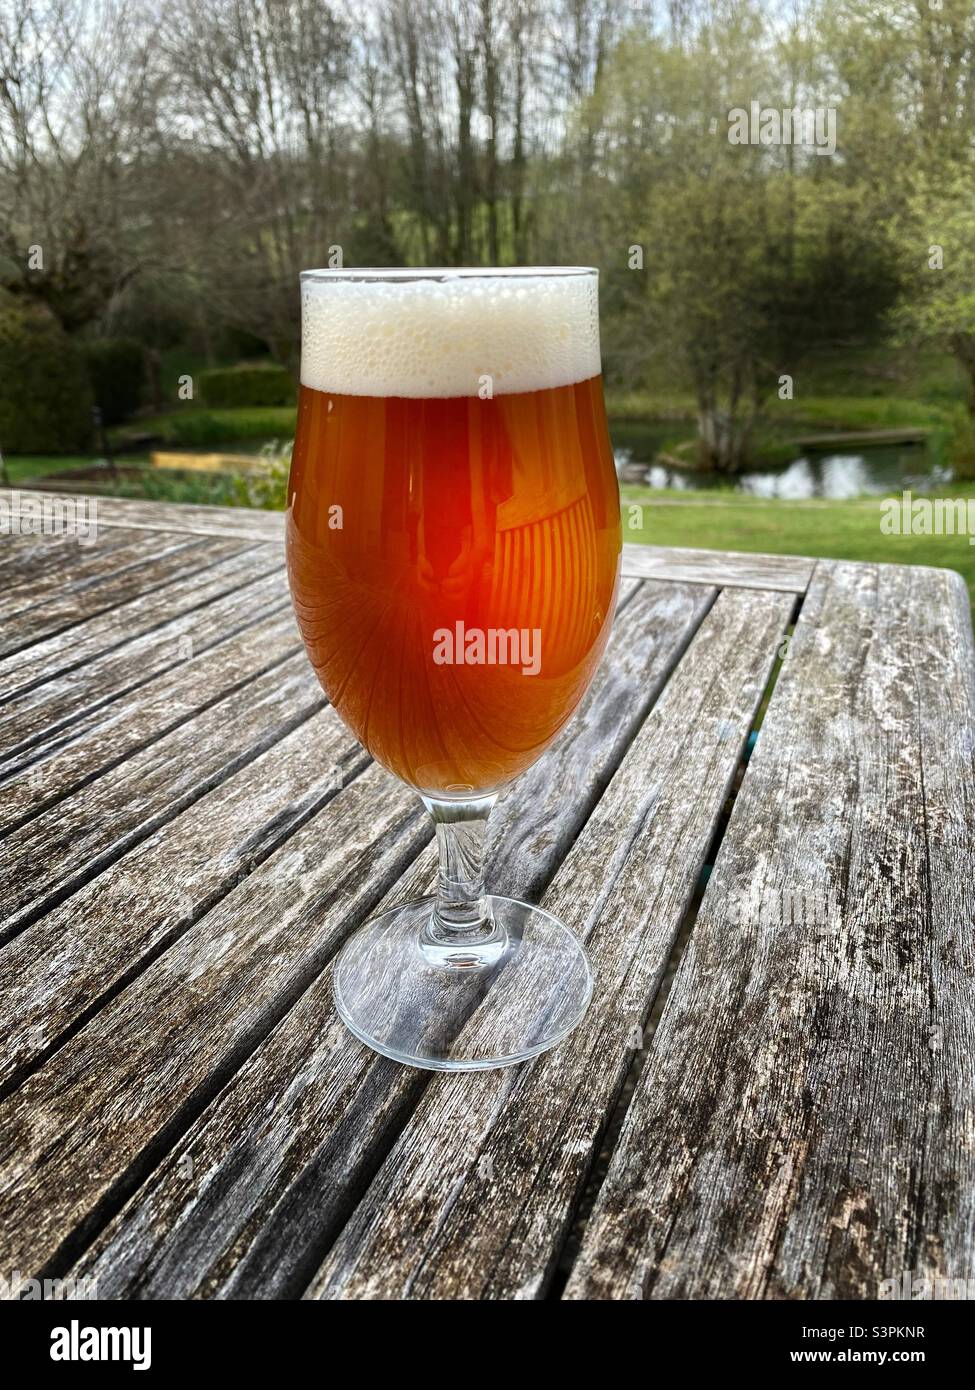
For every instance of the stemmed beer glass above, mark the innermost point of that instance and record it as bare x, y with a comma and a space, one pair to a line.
453, 537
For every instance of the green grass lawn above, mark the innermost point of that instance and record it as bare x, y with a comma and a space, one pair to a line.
855, 388
21, 466
836, 530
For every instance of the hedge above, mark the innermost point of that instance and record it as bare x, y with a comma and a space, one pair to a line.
223, 387
117, 371
45, 395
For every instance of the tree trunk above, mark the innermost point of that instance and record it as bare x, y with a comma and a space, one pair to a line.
723, 435
963, 346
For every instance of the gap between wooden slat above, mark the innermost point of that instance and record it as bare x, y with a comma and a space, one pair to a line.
103, 769
200, 910
588, 1199
427, 1227
672, 655
815, 1140
76, 581
102, 861
191, 550
26, 754
225, 558
47, 567
78, 1241
133, 1177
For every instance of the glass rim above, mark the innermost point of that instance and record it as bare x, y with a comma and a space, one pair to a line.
441, 274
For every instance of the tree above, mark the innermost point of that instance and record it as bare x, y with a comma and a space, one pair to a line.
256, 89
938, 237
79, 86
698, 226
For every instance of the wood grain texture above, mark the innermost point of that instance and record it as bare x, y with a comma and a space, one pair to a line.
777, 572
247, 1201
223, 567
118, 731
62, 967
191, 519
536, 821
161, 666
188, 833
782, 573
281, 1155
77, 1135
31, 566
122, 575
474, 1198
805, 1123
55, 851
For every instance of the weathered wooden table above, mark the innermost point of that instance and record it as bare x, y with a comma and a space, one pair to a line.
773, 1093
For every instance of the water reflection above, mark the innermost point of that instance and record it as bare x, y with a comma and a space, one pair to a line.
872, 470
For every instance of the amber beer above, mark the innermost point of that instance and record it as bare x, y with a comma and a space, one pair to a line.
453, 527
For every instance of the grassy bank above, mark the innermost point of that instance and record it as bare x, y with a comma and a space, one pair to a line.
845, 389
836, 530
849, 389
200, 428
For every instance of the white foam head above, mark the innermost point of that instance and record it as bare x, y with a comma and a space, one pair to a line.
448, 333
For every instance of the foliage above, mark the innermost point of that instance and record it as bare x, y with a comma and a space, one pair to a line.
246, 385
207, 489
741, 258
938, 236
178, 164
268, 487
960, 444
45, 398
213, 429
117, 371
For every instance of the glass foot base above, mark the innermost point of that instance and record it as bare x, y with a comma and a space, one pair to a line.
465, 1006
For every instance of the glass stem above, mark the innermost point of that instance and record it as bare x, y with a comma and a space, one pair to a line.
462, 915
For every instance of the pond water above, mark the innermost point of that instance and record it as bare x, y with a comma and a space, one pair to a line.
849, 471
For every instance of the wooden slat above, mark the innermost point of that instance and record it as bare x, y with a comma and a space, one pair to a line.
789, 574
240, 1207
782, 573
34, 559
172, 1065
304, 1124
45, 717
115, 731
538, 818
474, 1198
43, 726
242, 522
78, 1133
60, 968
66, 587
804, 1124
229, 565
148, 566
57, 849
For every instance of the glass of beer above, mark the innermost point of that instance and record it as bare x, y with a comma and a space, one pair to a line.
453, 536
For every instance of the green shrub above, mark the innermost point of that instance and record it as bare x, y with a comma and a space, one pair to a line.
45, 395
117, 371
960, 443
208, 489
213, 429
268, 486
224, 387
